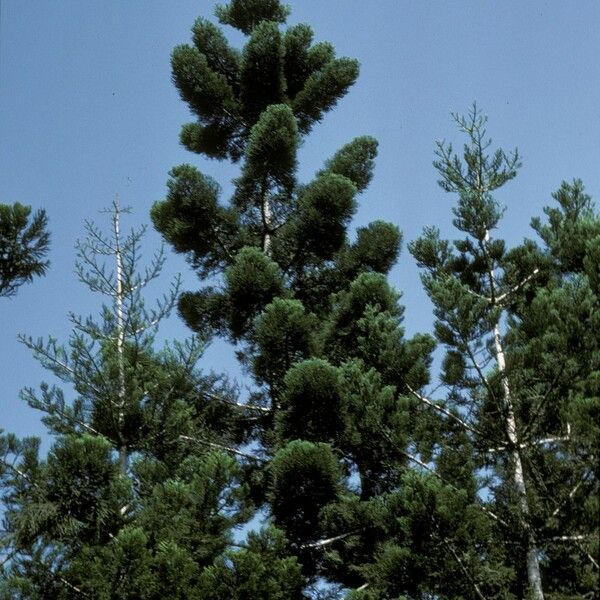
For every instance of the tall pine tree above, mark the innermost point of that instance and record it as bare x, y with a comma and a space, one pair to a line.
137, 497
521, 331
343, 436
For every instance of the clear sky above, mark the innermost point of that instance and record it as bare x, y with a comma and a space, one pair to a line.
87, 110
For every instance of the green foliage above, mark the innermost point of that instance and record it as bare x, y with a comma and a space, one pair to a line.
206, 92
355, 161
322, 90
312, 402
120, 570
368, 487
134, 499
429, 523
175, 509
571, 226
245, 15
270, 157
192, 212
83, 488
24, 244
518, 326
283, 334
262, 77
252, 282
324, 210
220, 57
261, 570
476, 176
228, 90
318, 326
365, 323
302, 470
376, 248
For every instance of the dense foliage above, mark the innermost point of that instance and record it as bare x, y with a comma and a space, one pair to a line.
336, 474
135, 499
520, 329
24, 243
317, 324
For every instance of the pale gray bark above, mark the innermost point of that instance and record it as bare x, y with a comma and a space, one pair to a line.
533, 566
120, 335
534, 576
267, 218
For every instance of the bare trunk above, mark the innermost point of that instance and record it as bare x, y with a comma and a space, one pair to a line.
534, 577
267, 217
533, 567
119, 301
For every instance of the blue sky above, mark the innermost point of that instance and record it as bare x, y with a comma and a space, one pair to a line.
87, 110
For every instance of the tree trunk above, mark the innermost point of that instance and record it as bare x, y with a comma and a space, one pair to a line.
119, 301
267, 217
533, 567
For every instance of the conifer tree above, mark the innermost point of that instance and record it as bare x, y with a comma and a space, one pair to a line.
521, 332
136, 497
368, 488
24, 244
342, 437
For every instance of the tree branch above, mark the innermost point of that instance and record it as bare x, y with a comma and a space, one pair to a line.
222, 447
442, 410
590, 557
54, 409
8, 557
572, 493
571, 538
541, 442
19, 473
480, 372
517, 287
328, 541
464, 569
237, 404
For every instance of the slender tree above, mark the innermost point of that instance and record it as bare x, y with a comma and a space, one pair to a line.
138, 496
519, 327
24, 244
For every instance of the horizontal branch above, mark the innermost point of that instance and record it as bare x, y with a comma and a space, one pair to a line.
222, 447
328, 541
573, 538
442, 410
541, 442
498, 299
236, 404
262, 409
